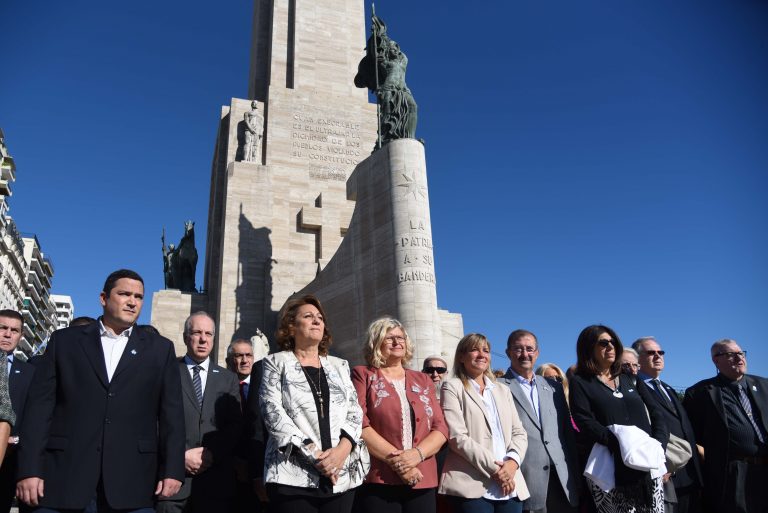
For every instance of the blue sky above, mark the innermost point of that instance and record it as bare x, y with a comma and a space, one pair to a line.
589, 162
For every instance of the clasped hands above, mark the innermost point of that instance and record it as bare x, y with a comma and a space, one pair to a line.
505, 475
405, 464
331, 461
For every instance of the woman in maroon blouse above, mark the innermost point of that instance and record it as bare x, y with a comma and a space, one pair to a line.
403, 425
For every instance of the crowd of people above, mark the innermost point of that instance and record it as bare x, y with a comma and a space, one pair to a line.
108, 419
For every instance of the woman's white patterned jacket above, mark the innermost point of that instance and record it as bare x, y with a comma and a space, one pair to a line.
290, 415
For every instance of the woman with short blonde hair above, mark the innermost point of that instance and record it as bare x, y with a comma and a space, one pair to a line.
376, 336
403, 424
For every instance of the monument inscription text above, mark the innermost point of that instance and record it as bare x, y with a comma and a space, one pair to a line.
328, 141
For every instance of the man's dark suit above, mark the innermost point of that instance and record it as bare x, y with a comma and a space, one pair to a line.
81, 428
217, 426
255, 432
704, 404
18, 386
687, 480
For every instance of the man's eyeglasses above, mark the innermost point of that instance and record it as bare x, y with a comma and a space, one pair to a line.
627, 365
731, 355
432, 370
521, 350
653, 353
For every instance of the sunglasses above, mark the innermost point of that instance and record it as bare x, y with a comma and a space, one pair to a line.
652, 353
732, 355
439, 370
604, 343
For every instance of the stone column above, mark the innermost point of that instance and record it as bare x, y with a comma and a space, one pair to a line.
414, 259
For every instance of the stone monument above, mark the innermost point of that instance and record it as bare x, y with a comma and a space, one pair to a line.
314, 211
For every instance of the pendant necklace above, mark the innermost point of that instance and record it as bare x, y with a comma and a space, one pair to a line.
616, 392
318, 391
614, 389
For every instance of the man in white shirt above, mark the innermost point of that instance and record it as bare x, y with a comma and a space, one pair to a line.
104, 424
213, 419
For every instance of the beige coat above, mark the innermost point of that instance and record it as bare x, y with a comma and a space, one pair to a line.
470, 463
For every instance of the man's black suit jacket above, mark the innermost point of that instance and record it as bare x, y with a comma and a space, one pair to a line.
254, 439
79, 427
680, 426
704, 404
19, 380
217, 426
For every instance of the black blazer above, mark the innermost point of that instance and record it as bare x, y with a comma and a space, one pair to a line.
80, 428
255, 433
680, 426
594, 408
216, 426
19, 380
704, 404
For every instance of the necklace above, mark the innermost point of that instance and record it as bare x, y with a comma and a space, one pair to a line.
614, 389
317, 390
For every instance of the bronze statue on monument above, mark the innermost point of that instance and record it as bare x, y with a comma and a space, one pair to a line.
180, 263
382, 70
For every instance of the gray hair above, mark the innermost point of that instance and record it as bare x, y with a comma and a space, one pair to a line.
720, 344
435, 357
188, 322
638, 344
231, 347
629, 350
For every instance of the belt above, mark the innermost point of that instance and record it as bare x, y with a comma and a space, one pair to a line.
753, 460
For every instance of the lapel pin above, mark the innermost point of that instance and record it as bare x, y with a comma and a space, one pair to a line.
133, 352
17, 371
214, 370
754, 388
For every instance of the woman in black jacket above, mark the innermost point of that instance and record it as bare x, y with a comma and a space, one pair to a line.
601, 396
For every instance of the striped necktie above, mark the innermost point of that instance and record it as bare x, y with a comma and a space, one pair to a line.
744, 400
197, 383
660, 391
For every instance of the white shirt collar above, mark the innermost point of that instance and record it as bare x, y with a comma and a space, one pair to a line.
106, 332
191, 363
489, 385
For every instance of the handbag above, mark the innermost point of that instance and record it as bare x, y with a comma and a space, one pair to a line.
679, 453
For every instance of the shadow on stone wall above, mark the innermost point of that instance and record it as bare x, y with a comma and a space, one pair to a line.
254, 294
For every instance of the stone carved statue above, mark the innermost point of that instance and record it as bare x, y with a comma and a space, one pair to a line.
260, 345
254, 130
397, 107
180, 263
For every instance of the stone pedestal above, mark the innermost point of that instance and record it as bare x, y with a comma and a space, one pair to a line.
170, 308
385, 264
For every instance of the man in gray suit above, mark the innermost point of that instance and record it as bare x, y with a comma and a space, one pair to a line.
213, 418
549, 465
